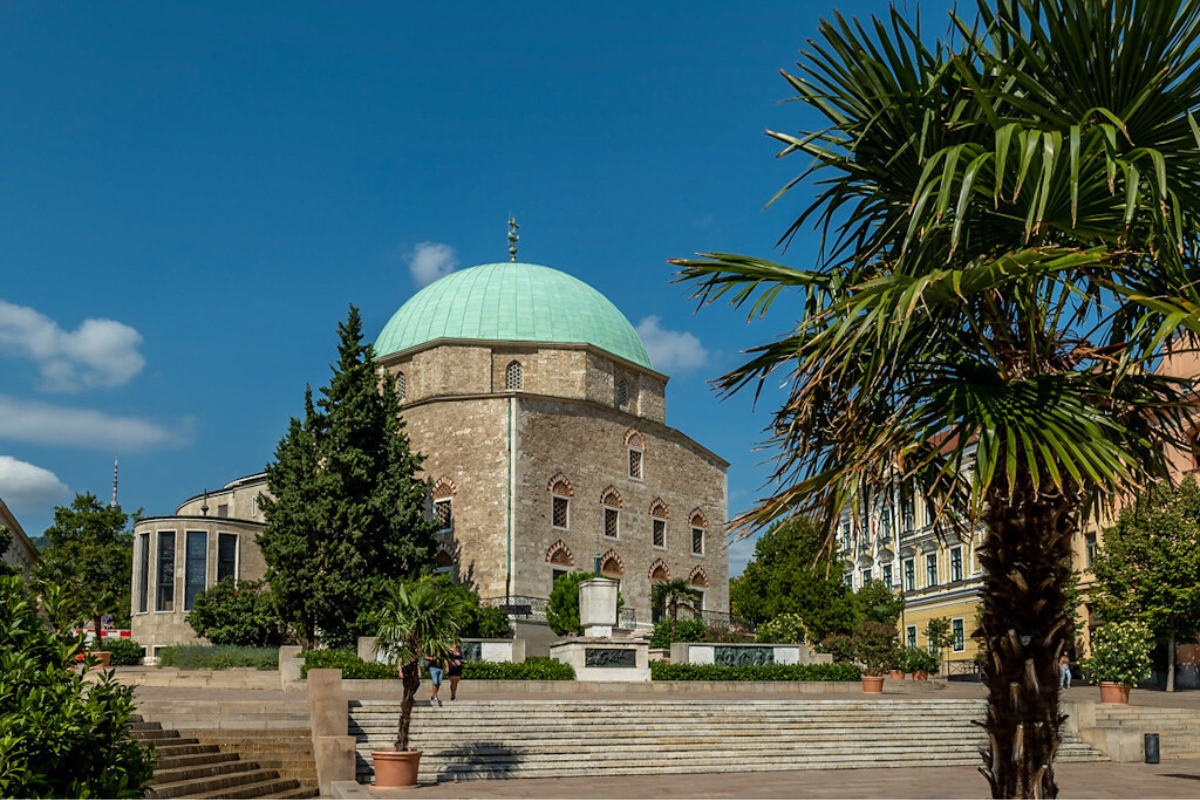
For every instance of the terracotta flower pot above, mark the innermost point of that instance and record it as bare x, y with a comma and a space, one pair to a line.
896, 674
1114, 693
872, 684
396, 769
920, 675
101, 657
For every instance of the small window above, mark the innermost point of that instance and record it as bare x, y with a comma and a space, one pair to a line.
1090, 550
512, 376
227, 547
959, 634
865, 576
910, 634
195, 568
659, 533
557, 574
635, 464
848, 579
443, 510
612, 523
887, 575
845, 534
910, 575
164, 595
561, 517
908, 516
254, 506
931, 570
223, 510
956, 564
885, 525
697, 541
143, 573
622, 394
401, 386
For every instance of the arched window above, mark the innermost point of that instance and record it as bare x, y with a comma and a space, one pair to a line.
659, 573
699, 524
658, 524
560, 505
699, 582
401, 386
611, 501
560, 559
512, 376
612, 566
445, 560
443, 503
635, 443
622, 394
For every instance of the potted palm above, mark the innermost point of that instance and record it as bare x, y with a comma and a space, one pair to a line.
414, 619
1120, 658
875, 642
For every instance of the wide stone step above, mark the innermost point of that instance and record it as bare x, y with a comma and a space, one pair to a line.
211, 769
268, 787
211, 756
184, 747
227, 785
154, 735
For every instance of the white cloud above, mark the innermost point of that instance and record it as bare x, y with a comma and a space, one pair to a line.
42, 423
25, 487
670, 350
101, 352
429, 261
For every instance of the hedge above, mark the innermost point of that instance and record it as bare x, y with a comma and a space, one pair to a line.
535, 668
218, 657
122, 652
662, 671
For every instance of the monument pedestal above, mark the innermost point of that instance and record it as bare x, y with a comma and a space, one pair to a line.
605, 660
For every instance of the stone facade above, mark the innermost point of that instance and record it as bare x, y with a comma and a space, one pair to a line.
21, 553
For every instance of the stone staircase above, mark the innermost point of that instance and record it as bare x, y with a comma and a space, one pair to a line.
1178, 729
528, 739
188, 767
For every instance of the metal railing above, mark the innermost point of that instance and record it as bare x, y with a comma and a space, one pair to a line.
519, 606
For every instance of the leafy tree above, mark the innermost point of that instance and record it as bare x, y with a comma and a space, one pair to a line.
61, 735
784, 629
1010, 239
671, 596
792, 573
878, 602
1149, 569
562, 608
5, 543
237, 613
91, 554
475, 621
347, 512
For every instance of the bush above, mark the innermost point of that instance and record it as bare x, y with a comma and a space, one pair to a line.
686, 630
784, 629
1120, 653
840, 646
728, 636
662, 671
875, 645
60, 736
475, 621
918, 659
123, 652
195, 656
242, 614
535, 668
562, 610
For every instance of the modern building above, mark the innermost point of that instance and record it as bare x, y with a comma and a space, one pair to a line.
544, 429
21, 552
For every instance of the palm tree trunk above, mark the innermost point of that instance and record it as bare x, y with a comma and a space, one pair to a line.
1171, 662
410, 675
672, 612
1025, 559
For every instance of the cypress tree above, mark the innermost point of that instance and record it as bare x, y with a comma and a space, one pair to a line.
347, 511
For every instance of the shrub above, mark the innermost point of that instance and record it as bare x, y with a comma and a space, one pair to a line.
784, 629
535, 668
1120, 653
840, 646
918, 659
123, 652
875, 645
475, 621
562, 609
60, 736
728, 636
662, 671
686, 630
195, 656
242, 614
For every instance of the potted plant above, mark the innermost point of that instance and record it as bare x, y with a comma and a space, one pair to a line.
1120, 658
919, 662
896, 666
414, 619
875, 642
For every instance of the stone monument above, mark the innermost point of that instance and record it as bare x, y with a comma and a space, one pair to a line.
597, 656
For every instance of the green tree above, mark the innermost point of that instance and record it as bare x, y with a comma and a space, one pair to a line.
670, 596
792, 573
237, 613
1009, 224
562, 607
91, 554
475, 620
1149, 569
61, 735
877, 602
347, 512
5, 543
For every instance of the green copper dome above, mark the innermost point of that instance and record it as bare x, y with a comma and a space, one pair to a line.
512, 301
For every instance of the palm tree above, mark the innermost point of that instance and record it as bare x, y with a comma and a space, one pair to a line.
415, 619
670, 596
1009, 241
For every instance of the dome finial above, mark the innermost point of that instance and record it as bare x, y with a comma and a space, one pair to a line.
512, 238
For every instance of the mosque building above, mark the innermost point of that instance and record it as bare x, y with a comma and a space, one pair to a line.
547, 449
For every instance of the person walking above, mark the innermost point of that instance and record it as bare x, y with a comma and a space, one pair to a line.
454, 668
436, 671
1064, 672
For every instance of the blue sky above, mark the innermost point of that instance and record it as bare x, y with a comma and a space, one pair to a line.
192, 194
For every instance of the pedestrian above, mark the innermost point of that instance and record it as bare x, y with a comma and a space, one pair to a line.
1064, 672
454, 664
436, 670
